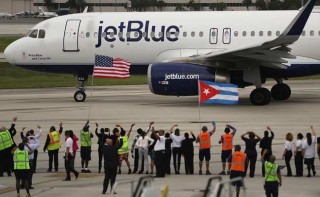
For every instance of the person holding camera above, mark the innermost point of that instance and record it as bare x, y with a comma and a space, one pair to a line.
69, 157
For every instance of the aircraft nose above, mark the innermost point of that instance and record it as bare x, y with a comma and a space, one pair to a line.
9, 54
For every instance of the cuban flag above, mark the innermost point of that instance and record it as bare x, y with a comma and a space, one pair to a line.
219, 93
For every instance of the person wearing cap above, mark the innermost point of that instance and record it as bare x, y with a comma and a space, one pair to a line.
6, 145
176, 148
237, 160
22, 166
53, 145
31, 134
85, 148
266, 144
226, 142
273, 175
205, 144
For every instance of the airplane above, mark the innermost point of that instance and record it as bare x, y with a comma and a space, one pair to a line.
176, 49
43, 14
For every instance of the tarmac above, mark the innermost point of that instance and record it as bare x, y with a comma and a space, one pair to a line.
124, 105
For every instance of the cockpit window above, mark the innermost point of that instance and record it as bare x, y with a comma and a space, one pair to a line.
33, 34
42, 33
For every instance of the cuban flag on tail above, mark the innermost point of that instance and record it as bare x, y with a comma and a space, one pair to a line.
219, 93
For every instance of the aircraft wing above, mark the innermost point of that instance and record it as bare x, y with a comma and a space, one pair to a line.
269, 54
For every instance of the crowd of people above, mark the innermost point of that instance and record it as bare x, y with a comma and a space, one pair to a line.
158, 147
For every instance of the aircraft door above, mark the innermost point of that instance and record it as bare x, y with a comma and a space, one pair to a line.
70, 39
213, 36
226, 38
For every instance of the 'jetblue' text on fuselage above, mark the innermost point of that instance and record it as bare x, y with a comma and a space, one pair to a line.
135, 31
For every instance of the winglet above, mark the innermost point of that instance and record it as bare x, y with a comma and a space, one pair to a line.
85, 10
296, 26
292, 33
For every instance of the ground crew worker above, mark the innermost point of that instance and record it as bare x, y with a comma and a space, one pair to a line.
124, 150
85, 149
273, 176
53, 145
205, 145
6, 145
22, 166
226, 142
238, 162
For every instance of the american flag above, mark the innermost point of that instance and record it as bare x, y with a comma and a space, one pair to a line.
108, 67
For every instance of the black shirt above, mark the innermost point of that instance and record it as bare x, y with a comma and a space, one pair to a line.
111, 156
187, 145
168, 144
266, 143
250, 145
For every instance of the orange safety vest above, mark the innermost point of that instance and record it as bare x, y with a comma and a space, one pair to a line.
238, 161
227, 142
204, 139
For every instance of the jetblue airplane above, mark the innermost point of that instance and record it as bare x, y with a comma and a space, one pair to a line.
178, 48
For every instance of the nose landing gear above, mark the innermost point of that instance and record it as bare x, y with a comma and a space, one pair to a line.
80, 95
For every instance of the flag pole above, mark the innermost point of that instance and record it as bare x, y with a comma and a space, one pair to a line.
199, 94
90, 100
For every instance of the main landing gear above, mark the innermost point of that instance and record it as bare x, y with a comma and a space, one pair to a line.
80, 95
262, 96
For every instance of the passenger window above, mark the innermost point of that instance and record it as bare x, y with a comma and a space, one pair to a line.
104, 34
88, 34
120, 34
184, 34
152, 34
319, 33
213, 34
128, 34
42, 33
269, 33
111, 34
260, 33
278, 33
176, 34
95, 34
136, 34
244, 33
236, 33
252, 33
311, 33
201, 33
168, 34
160, 34
144, 34
193, 34
303, 33
33, 34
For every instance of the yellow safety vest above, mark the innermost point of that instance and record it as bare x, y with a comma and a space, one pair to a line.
125, 146
85, 138
271, 171
21, 160
54, 140
5, 140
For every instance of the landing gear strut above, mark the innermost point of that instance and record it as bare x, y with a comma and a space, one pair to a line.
80, 95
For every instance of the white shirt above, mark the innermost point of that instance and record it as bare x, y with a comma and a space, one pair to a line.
299, 145
34, 146
144, 143
68, 143
288, 145
176, 140
310, 150
160, 144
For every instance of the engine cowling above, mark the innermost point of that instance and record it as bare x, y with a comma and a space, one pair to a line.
181, 79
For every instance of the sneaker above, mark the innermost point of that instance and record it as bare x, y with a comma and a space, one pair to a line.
88, 171
200, 172
228, 172
77, 175
208, 173
129, 172
83, 170
314, 173
49, 170
222, 172
147, 172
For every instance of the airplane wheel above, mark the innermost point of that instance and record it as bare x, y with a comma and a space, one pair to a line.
280, 91
79, 96
260, 96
